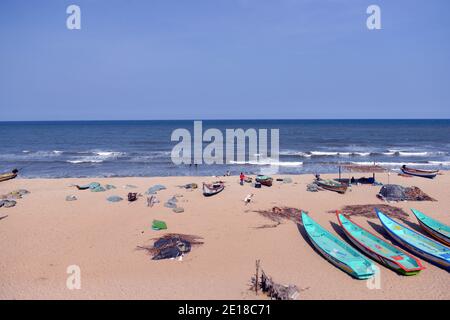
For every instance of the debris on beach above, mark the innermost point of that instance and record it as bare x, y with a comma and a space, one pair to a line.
273, 290
16, 194
98, 189
154, 189
158, 225
3, 217
368, 211
248, 198
277, 214
287, 180
9, 200
109, 186
152, 201
312, 187
7, 203
171, 246
178, 210
393, 192
171, 203
71, 198
189, 186
114, 199
130, 186
132, 196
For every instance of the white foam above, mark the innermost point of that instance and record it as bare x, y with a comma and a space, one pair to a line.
392, 164
440, 163
269, 163
85, 161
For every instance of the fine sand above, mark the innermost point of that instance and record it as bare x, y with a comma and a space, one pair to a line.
44, 234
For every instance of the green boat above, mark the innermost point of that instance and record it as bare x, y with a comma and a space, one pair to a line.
436, 229
336, 251
378, 249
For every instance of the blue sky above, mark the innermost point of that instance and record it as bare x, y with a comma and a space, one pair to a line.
224, 59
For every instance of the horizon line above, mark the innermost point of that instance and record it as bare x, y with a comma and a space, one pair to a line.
230, 119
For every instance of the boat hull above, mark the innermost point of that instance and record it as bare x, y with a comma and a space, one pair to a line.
208, 192
7, 176
438, 261
265, 182
384, 260
432, 232
369, 272
339, 189
422, 174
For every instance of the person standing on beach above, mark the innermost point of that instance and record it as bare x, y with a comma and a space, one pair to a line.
241, 178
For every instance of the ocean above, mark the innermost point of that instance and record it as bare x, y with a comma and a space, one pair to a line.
143, 148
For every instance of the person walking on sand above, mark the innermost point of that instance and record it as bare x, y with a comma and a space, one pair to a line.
241, 178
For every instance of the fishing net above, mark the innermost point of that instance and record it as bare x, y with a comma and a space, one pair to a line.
171, 245
277, 214
368, 211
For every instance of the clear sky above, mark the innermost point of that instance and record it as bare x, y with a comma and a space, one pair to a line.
224, 59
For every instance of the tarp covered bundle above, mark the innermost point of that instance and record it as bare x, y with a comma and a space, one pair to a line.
155, 188
393, 192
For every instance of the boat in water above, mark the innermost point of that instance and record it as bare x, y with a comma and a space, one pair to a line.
336, 251
378, 249
436, 229
430, 174
420, 245
210, 189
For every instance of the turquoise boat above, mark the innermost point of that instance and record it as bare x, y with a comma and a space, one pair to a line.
378, 249
436, 229
420, 245
336, 251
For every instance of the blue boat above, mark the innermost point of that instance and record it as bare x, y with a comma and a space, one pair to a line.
420, 245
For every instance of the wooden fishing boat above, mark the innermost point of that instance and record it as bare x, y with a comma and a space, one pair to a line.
336, 251
264, 180
332, 185
9, 175
430, 174
420, 245
210, 189
436, 229
378, 249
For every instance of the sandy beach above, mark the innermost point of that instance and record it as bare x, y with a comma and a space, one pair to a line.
44, 234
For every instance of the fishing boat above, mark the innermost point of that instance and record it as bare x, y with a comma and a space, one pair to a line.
336, 251
264, 180
420, 245
430, 174
436, 229
378, 249
332, 185
9, 175
210, 189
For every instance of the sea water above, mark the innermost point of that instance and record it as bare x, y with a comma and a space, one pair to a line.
143, 148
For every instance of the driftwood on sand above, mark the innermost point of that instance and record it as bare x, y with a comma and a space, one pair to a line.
277, 214
368, 211
273, 290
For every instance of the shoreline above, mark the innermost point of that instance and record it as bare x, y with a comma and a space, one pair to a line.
44, 234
